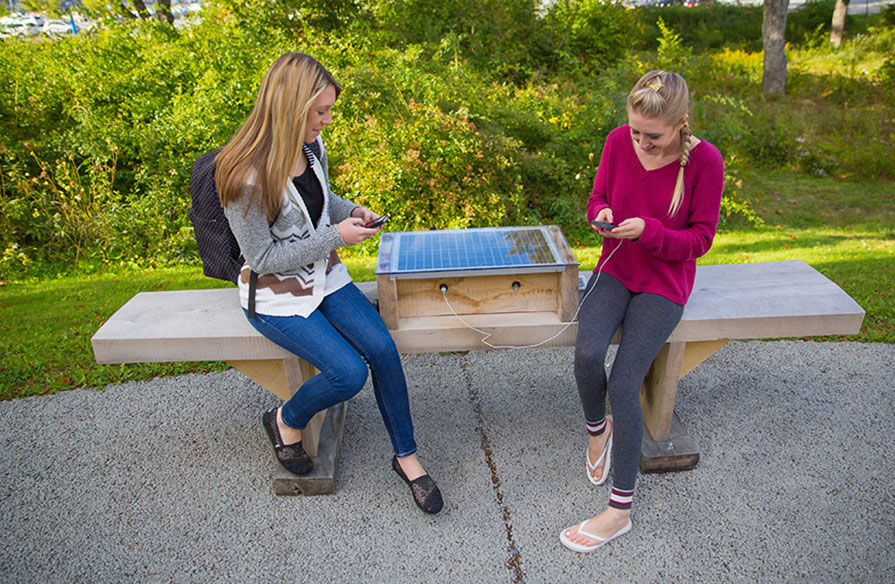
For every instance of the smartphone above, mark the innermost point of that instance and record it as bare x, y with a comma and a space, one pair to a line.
602, 225
377, 222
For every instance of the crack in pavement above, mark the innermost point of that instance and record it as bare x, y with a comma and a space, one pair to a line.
514, 562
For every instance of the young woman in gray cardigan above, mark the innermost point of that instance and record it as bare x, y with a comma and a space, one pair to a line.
273, 181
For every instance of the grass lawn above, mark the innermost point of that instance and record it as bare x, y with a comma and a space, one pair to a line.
842, 228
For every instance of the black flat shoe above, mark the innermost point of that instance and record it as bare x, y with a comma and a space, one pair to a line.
425, 492
292, 456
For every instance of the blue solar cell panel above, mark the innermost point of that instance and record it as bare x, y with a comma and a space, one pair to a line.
484, 249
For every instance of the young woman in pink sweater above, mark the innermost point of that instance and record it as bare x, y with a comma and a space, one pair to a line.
660, 186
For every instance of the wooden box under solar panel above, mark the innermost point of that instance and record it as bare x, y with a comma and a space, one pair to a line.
517, 283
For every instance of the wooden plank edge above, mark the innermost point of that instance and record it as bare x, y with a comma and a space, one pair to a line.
679, 452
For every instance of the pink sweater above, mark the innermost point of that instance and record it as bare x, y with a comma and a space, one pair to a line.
663, 259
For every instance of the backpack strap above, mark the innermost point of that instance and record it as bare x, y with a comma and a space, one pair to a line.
253, 284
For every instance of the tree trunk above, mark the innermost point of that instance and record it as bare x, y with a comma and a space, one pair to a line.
141, 8
163, 11
839, 14
773, 35
123, 9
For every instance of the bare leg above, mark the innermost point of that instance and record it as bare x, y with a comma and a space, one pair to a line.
604, 525
288, 435
411, 466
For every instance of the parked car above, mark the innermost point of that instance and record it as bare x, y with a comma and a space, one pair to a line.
58, 27
645, 3
20, 25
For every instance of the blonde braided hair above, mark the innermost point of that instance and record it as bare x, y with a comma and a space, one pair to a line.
666, 95
686, 145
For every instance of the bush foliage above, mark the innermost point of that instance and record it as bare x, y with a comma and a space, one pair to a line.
453, 115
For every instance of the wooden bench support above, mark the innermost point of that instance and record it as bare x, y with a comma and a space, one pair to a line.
666, 444
659, 390
677, 452
321, 438
321, 480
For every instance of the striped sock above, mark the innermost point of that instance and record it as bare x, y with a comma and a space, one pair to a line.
621, 499
596, 429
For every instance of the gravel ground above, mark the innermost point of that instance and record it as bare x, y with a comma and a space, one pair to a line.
169, 480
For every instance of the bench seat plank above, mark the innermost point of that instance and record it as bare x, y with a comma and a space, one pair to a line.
182, 325
766, 300
735, 301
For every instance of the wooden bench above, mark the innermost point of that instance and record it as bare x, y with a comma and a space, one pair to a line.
736, 301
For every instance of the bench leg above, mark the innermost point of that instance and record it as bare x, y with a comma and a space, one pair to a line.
321, 480
321, 438
666, 444
659, 390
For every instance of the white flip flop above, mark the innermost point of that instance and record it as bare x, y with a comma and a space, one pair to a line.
607, 454
577, 547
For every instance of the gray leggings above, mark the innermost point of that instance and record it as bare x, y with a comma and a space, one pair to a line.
647, 320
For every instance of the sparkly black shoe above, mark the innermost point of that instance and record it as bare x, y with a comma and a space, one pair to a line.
292, 456
425, 492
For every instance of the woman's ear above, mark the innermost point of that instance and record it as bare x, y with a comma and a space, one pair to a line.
683, 122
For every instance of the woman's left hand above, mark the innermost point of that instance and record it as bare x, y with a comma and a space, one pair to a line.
631, 228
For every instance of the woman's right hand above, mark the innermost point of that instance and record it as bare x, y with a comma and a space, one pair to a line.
604, 215
353, 231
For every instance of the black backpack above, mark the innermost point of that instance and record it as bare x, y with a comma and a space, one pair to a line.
218, 247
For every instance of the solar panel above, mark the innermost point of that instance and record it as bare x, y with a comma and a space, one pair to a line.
458, 252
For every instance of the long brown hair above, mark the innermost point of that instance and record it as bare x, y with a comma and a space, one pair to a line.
266, 148
660, 94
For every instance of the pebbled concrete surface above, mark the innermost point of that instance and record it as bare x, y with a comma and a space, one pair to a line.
170, 480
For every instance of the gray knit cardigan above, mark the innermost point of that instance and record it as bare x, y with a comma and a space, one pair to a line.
297, 264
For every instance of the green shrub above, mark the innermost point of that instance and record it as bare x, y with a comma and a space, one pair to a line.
477, 117
583, 36
493, 36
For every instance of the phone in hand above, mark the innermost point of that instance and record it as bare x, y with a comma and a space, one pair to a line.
377, 222
603, 225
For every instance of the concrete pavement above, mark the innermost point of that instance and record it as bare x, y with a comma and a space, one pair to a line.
169, 480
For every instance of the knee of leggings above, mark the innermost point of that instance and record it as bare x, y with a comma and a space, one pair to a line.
588, 358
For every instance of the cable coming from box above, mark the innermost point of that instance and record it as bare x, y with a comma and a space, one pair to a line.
443, 288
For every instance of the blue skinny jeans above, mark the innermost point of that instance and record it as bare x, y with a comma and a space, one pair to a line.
340, 338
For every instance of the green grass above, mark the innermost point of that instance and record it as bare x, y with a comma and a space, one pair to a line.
46, 324
842, 228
